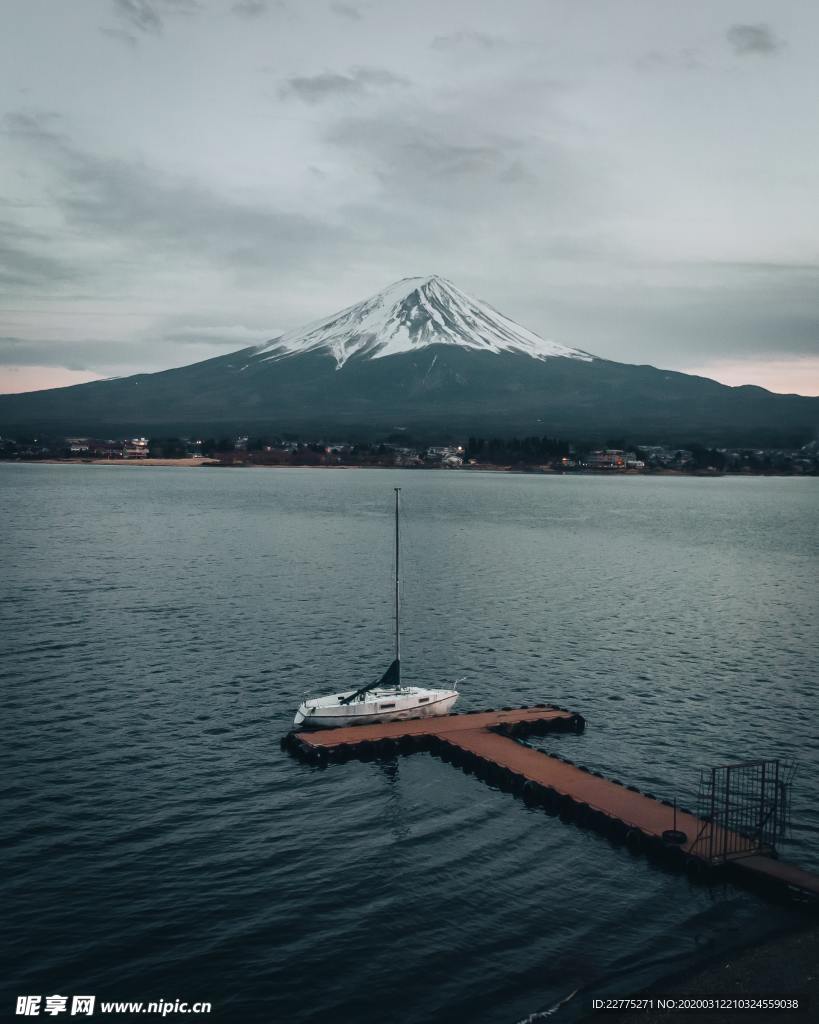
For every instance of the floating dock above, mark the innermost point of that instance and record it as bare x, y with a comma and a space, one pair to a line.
486, 744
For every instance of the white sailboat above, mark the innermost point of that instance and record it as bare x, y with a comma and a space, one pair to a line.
385, 700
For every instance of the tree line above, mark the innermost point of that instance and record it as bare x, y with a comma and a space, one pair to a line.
516, 451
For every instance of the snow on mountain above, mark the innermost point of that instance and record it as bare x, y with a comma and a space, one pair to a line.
409, 315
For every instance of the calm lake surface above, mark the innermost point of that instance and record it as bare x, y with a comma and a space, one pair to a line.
160, 627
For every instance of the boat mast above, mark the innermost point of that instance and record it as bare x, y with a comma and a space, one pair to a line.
397, 597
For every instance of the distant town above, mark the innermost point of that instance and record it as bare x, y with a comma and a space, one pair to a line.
530, 454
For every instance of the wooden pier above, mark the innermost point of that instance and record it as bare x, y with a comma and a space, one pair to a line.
485, 742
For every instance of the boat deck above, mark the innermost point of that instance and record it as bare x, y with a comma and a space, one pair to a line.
483, 742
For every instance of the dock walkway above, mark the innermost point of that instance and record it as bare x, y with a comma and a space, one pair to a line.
485, 743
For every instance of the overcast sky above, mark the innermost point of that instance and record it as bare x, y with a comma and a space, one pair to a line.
181, 178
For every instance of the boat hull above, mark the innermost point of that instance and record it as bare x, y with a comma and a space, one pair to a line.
311, 715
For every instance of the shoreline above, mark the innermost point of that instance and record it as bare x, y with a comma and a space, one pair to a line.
786, 964
199, 461
187, 463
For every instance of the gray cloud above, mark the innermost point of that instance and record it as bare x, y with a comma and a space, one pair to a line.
120, 35
698, 312
458, 166
346, 11
250, 8
679, 60
76, 355
24, 265
146, 16
139, 14
753, 40
103, 355
472, 40
231, 335
329, 84
40, 124
766, 267
133, 205
20, 268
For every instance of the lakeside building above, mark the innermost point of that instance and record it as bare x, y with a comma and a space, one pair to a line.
606, 458
450, 455
135, 448
668, 458
407, 457
610, 458
109, 449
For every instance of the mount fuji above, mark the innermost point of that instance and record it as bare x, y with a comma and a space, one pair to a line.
423, 358
410, 315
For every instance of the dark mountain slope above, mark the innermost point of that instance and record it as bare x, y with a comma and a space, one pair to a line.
438, 390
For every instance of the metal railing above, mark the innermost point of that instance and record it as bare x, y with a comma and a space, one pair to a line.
744, 807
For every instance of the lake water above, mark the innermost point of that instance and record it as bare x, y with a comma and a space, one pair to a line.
160, 627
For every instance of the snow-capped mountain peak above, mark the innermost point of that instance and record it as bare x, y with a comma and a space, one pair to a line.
411, 314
